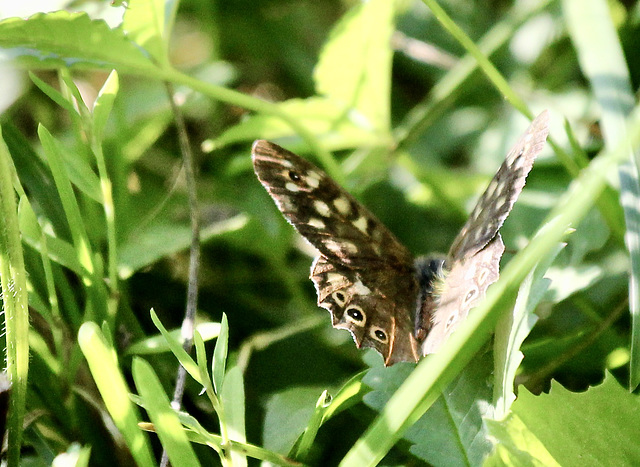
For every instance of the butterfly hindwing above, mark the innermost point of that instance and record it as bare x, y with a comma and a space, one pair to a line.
464, 286
377, 314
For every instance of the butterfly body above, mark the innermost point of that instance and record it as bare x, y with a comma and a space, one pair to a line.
367, 279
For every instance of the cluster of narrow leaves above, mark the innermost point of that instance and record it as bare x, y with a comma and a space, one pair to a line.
79, 231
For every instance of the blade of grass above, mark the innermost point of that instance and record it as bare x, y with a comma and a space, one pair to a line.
167, 425
114, 390
15, 301
602, 61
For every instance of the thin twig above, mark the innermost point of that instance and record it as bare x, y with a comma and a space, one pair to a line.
188, 323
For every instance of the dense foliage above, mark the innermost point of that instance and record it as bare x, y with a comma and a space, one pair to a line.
409, 105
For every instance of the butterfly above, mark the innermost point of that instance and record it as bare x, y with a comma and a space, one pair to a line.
367, 279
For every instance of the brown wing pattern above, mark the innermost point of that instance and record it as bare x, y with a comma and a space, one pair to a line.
473, 262
374, 306
496, 202
326, 215
364, 275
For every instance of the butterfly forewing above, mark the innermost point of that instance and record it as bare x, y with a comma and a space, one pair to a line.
326, 215
496, 202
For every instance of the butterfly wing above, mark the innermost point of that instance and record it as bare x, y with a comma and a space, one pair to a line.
378, 314
463, 287
473, 261
496, 202
332, 220
364, 275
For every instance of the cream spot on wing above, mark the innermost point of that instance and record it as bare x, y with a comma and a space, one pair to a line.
315, 222
361, 289
292, 187
491, 188
350, 248
342, 205
517, 162
313, 179
285, 204
334, 277
482, 277
341, 248
332, 246
361, 224
286, 163
322, 208
339, 297
499, 202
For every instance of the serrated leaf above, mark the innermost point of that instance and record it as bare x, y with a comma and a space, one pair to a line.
516, 445
62, 39
578, 428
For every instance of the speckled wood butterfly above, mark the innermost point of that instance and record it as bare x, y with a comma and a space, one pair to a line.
367, 279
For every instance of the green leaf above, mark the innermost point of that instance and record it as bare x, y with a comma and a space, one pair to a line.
287, 415
147, 23
220, 355
158, 344
309, 435
161, 240
104, 103
62, 39
183, 357
354, 69
578, 428
114, 390
81, 243
166, 423
233, 401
